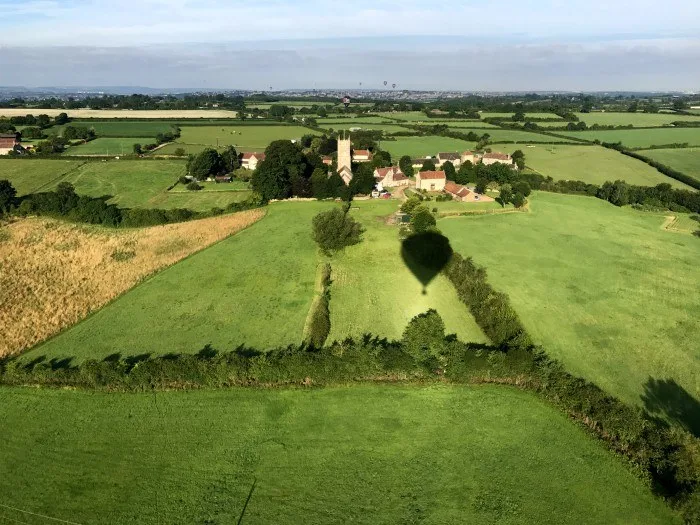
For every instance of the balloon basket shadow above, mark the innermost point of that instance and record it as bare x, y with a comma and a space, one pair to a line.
426, 254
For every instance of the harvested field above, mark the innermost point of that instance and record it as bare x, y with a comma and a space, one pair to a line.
121, 113
53, 274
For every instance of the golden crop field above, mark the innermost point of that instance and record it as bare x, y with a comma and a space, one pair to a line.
121, 113
53, 274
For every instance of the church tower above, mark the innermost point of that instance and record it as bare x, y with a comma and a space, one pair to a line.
344, 159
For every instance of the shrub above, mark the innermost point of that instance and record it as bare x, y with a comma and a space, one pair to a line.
179, 152
334, 229
193, 186
422, 220
424, 336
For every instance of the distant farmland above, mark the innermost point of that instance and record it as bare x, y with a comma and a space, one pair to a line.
121, 128
640, 138
244, 138
116, 146
122, 113
685, 160
30, 175
423, 146
594, 165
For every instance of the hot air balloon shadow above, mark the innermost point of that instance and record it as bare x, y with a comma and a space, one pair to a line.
426, 254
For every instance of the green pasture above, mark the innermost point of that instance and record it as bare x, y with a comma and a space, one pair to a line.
252, 289
124, 128
361, 454
115, 146
594, 165
685, 160
351, 121
528, 115
190, 149
641, 138
474, 124
510, 135
386, 128
604, 289
132, 183
197, 200
244, 138
234, 185
373, 291
422, 146
634, 119
30, 175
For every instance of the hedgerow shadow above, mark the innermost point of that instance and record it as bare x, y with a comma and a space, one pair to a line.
668, 400
426, 254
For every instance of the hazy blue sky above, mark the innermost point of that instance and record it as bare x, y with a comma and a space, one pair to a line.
448, 44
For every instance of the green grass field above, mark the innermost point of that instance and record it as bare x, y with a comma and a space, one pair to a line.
604, 289
685, 160
132, 183
115, 146
593, 164
485, 114
373, 291
641, 138
197, 200
635, 119
245, 138
234, 185
124, 128
360, 454
422, 146
386, 128
30, 175
508, 135
352, 121
190, 149
254, 288
684, 223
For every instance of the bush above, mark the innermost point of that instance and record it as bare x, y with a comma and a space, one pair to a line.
424, 336
320, 322
193, 186
422, 220
179, 152
334, 229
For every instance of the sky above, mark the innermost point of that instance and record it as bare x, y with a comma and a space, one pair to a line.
498, 45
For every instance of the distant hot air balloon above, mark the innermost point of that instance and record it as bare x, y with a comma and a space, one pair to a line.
385, 82
393, 85
346, 101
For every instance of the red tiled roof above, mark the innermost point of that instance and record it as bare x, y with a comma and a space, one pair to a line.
425, 175
497, 155
383, 172
467, 153
362, 152
249, 155
456, 189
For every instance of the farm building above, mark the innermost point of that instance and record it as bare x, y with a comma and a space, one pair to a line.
8, 142
470, 156
418, 163
390, 177
431, 180
464, 194
327, 160
496, 158
454, 158
250, 160
361, 155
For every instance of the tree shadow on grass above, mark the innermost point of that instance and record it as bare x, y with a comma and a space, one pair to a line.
666, 399
426, 254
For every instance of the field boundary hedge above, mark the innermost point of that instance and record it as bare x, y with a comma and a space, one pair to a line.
318, 322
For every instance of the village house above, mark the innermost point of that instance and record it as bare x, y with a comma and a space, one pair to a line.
464, 194
361, 155
327, 160
496, 158
454, 158
431, 180
470, 156
417, 164
390, 177
250, 160
8, 141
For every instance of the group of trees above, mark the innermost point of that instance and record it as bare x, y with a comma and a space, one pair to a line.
335, 229
422, 220
210, 163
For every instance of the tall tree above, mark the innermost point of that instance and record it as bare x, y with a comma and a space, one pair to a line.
284, 167
7, 195
450, 172
406, 165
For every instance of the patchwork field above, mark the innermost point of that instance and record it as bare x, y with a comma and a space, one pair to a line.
253, 289
424, 146
363, 454
685, 160
253, 138
594, 165
641, 138
509, 135
488, 114
31, 175
115, 146
386, 128
122, 113
635, 119
604, 289
120, 128
196, 200
373, 291
55, 273
132, 183
351, 121
189, 149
